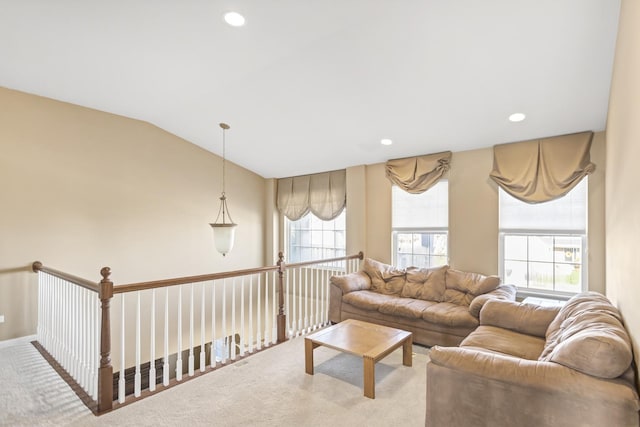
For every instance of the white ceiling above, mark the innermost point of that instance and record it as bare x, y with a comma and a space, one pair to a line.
310, 86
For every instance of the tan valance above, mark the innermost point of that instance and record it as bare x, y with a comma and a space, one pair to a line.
417, 174
323, 194
543, 169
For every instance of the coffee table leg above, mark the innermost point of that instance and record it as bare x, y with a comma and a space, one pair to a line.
369, 377
308, 356
407, 351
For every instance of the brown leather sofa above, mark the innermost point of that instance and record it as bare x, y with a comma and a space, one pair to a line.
526, 365
438, 305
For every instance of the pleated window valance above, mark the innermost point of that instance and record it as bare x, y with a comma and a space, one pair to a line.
417, 174
323, 194
544, 169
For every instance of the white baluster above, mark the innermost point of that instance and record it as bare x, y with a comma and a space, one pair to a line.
213, 325
203, 360
95, 346
165, 364
306, 301
324, 297
40, 305
121, 383
300, 296
291, 301
233, 319
179, 361
224, 320
66, 354
191, 357
251, 342
267, 324
258, 318
323, 308
242, 332
75, 333
275, 308
152, 350
82, 357
137, 379
318, 283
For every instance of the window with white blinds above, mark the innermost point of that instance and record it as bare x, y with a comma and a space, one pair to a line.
543, 246
420, 226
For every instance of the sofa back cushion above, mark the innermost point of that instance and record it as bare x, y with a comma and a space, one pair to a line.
385, 279
425, 283
463, 287
588, 336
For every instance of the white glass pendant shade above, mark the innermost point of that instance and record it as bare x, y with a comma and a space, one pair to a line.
223, 237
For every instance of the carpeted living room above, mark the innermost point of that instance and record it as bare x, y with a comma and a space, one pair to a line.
299, 213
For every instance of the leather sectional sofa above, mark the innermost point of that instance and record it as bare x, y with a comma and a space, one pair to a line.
527, 365
438, 305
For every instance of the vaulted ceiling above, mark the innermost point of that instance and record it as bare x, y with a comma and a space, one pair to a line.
310, 86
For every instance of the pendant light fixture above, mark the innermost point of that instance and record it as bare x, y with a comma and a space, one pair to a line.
223, 232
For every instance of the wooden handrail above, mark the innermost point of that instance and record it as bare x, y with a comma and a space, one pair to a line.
359, 256
140, 286
87, 284
189, 279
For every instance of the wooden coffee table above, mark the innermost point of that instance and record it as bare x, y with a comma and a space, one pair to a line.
372, 342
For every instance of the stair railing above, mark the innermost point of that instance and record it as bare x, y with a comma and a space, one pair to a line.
219, 317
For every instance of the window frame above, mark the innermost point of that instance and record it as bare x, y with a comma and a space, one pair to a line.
414, 230
336, 250
583, 234
420, 230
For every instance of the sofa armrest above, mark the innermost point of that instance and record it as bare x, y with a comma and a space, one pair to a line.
358, 281
485, 388
341, 285
502, 292
527, 319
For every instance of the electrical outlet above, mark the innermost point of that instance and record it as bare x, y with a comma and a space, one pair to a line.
1, 318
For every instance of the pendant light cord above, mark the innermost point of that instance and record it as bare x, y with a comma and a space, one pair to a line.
224, 147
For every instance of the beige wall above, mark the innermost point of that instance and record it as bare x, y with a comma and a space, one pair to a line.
623, 175
473, 213
81, 189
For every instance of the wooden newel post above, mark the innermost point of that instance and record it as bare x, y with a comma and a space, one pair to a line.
105, 372
282, 318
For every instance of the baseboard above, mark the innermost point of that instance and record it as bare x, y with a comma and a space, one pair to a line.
17, 341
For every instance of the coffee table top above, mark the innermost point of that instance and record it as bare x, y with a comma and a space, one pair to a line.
359, 338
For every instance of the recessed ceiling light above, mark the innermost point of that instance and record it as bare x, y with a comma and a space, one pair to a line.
234, 19
386, 141
517, 117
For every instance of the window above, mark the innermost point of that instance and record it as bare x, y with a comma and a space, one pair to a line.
543, 245
311, 238
420, 226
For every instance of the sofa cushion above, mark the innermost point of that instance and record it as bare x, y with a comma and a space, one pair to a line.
588, 336
531, 319
462, 287
405, 307
505, 341
449, 314
425, 283
366, 300
385, 279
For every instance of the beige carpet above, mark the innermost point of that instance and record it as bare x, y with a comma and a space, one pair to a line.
267, 389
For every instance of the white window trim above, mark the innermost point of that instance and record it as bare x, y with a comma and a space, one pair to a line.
526, 291
287, 233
